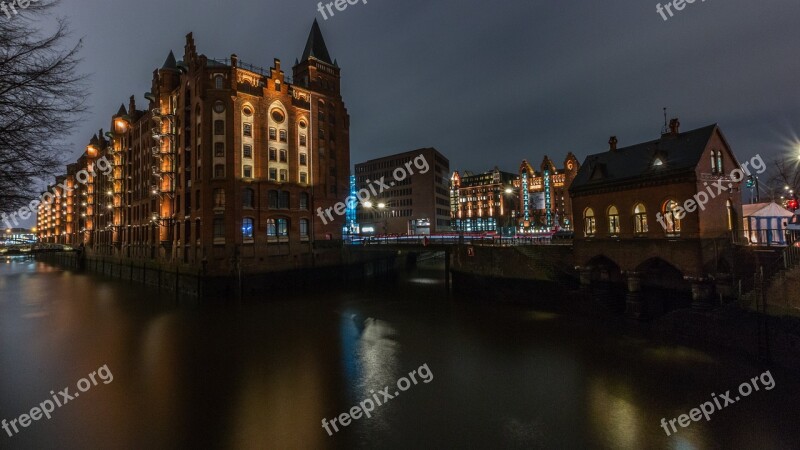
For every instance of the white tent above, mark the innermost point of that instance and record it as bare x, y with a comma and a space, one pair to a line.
765, 223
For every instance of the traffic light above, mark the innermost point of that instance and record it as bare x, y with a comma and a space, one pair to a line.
751, 181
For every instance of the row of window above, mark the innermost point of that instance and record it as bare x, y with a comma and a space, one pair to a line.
274, 174
275, 228
669, 211
275, 199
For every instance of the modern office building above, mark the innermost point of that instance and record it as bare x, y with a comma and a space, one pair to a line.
483, 202
225, 165
415, 199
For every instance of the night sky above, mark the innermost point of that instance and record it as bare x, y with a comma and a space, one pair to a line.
485, 83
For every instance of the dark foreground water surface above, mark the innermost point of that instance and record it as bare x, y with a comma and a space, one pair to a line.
264, 374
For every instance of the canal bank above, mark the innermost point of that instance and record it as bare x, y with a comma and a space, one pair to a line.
191, 281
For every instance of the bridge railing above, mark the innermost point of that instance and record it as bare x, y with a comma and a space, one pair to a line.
496, 241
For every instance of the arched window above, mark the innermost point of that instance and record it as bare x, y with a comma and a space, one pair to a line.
713, 161
219, 82
271, 229
247, 198
639, 219
247, 229
672, 223
589, 227
720, 166
613, 220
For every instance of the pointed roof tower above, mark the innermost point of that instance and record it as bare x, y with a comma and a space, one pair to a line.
315, 46
122, 110
170, 63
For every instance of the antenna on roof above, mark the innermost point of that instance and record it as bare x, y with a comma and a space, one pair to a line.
665, 130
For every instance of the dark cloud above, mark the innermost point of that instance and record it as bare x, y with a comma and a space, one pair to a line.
486, 83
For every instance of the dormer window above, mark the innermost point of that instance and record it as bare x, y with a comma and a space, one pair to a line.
657, 162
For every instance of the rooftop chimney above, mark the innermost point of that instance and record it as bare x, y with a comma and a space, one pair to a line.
674, 126
612, 142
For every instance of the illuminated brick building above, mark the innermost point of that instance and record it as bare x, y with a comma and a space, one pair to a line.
544, 195
482, 202
225, 165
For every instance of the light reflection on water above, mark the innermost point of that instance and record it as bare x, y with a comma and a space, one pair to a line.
264, 374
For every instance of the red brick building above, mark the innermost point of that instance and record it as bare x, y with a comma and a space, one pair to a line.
634, 220
544, 201
225, 165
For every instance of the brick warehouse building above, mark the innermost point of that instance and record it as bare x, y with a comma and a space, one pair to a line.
544, 195
224, 166
482, 202
628, 225
419, 204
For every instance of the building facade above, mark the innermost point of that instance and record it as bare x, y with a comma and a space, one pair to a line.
416, 200
544, 201
483, 202
224, 166
638, 219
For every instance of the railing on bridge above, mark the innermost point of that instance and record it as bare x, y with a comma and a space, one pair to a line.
425, 240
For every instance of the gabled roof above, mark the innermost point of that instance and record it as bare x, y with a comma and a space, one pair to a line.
678, 154
315, 46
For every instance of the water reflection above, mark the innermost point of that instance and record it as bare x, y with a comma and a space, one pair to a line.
264, 374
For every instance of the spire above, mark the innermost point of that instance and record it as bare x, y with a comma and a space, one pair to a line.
315, 46
122, 110
170, 63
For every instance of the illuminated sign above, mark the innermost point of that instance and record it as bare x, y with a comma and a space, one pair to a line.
547, 199
525, 197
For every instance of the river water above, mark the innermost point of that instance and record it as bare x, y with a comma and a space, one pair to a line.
264, 373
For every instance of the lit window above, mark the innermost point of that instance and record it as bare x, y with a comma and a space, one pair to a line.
640, 219
219, 198
247, 228
729, 205
284, 175
271, 229
248, 129
672, 221
283, 227
282, 135
613, 221
283, 156
248, 151
589, 222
